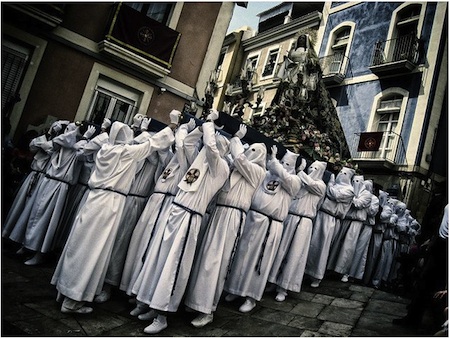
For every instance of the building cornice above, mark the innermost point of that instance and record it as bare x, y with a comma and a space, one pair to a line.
283, 31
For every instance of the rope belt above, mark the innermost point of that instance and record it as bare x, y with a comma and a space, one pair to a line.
238, 236
192, 212
33, 182
327, 212
109, 189
136, 195
263, 247
167, 194
56, 179
301, 216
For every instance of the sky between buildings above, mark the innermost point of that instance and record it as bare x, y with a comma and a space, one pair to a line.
248, 16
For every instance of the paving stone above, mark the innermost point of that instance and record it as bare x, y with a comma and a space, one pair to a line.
16, 311
335, 329
307, 309
322, 299
334, 292
274, 315
305, 295
383, 306
349, 304
307, 333
133, 329
362, 289
382, 295
49, 308
363, 333
381, 323
340, 315
360, 297
268, 301
45, 326
306, 323
250, 326
12, 277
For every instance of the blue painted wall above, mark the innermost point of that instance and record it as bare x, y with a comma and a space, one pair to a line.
354, 102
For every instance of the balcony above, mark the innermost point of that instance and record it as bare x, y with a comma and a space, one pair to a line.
391, 153
140, 42
398, 55
333, 68
43, 15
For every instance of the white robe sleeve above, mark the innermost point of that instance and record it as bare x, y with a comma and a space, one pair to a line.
212, 152
252, 172
340, 193
363, 200
315, 187
41, 142
190, 145
290, 182
159, 141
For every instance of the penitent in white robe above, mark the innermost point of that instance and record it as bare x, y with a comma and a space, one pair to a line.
262, 232
290, 262
347, 240
141, 188
16, 221
360, 257
63, 172
148, 232
337, 201
226, 223
82, 266
163, 288
77, 194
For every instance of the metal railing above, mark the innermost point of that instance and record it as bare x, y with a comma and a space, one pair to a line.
391, 149
403, 48
334, 64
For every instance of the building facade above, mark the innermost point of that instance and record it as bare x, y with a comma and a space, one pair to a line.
86, 61
387, 75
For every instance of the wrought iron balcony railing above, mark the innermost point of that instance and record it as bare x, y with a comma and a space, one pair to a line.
333, 64
391, 150
404, 48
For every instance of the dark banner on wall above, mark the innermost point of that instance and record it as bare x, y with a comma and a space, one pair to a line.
149, 38
370, 141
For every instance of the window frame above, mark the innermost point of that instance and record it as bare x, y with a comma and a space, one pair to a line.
333, 46
277, 60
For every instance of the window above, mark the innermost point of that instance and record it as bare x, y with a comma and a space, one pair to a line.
338, 50
219, 68
159, 11
114, 101
389, 111
271, 62
14, 64
404, 32
250, 68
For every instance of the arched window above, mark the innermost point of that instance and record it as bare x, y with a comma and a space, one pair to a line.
404, 32
388, 112
338, 50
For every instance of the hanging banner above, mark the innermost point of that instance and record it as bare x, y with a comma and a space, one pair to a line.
135, 31
370, 141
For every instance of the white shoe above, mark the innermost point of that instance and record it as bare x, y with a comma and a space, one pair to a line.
159, 324
281, 296
202, 319
344, 278
230, 297
248, 306
102, 297
138, 310
315, 284
81, 310
149, 315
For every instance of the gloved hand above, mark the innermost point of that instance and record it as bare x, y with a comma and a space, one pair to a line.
106, 123
137, 119
302, 165
174, 116
213, 115
332, 179
241, 132
145, 122
191, 125
273, 155
89, 132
